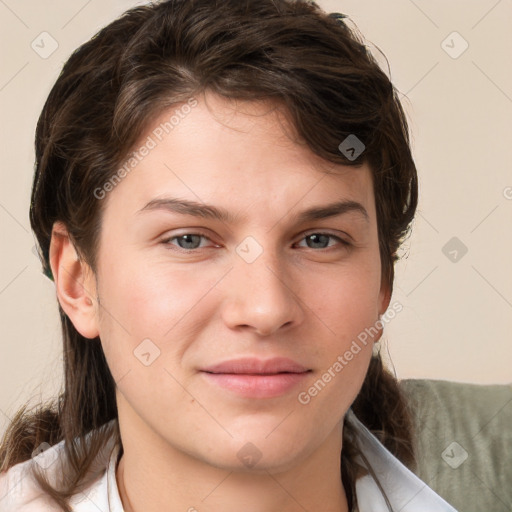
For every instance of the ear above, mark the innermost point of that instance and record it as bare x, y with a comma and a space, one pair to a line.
74, 281
384, 297
384, 300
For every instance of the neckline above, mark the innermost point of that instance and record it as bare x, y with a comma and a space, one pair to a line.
398, 480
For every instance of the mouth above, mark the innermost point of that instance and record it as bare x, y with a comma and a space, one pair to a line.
253, 365
254, 378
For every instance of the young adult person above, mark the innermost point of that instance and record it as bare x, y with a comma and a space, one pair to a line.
220, 192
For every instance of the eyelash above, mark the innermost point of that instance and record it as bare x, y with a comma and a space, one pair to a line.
167, 241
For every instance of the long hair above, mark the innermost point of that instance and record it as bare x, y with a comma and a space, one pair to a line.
160, 55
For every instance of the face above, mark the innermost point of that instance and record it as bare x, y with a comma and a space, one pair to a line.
282, 279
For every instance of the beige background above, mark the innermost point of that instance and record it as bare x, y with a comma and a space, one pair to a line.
457, 316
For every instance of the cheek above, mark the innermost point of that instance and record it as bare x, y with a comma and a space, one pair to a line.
152, 299
346, 310
143, 328
143, 301
346, 303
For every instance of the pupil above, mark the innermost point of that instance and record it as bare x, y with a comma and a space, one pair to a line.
318, 238
188, 240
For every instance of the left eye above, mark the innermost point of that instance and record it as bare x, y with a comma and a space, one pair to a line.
192, 241
322, 238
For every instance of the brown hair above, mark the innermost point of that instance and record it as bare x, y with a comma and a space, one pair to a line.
160, 55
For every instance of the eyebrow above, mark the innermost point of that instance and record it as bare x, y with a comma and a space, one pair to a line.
196, 209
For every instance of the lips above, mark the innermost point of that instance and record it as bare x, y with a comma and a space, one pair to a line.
254, 378
255, 366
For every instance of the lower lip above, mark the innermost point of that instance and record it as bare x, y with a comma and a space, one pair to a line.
257, 386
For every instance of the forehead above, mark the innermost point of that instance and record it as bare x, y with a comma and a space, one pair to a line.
240, 154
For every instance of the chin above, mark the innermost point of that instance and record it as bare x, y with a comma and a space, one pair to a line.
260, 448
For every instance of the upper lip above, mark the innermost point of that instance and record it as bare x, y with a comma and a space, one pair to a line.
250, 365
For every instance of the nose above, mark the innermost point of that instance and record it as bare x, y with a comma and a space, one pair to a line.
260, 297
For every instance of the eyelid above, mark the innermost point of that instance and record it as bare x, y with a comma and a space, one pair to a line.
198, 232
334, 234
191, 231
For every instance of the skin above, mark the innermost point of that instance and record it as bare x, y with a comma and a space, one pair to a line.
299, 299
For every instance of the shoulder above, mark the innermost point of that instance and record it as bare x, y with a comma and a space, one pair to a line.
19, 491
388, 481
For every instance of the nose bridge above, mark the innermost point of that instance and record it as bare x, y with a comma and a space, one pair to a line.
260, 294
266, 275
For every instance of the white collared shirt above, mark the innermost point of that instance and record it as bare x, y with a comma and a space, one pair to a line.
404, 490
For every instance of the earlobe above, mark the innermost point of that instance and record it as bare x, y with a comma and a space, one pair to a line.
74, 282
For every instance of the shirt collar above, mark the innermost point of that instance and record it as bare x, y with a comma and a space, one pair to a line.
391, 479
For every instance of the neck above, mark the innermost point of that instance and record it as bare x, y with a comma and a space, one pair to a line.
153, 476
163, 489
226, 491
